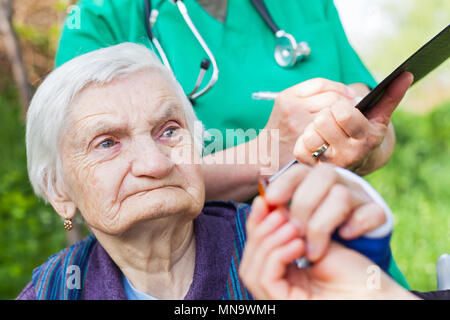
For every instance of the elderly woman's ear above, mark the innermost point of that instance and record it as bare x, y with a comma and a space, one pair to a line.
62, 203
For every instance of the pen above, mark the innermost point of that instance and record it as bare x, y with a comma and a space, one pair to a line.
301, 263
270, 95
264, 95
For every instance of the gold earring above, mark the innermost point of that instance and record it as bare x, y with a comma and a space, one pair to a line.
68, 225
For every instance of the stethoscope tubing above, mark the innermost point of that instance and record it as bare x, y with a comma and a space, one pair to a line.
153, 39
281, 35
215, 74
262, 10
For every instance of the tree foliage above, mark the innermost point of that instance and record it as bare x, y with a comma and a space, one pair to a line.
29, 230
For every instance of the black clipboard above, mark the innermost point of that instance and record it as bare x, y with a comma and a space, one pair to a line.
423, 61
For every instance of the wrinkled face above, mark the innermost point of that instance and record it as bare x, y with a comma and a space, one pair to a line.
117, 154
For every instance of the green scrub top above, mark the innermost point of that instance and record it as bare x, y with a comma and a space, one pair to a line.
243, 46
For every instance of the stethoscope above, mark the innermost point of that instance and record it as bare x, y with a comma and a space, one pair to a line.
287, 51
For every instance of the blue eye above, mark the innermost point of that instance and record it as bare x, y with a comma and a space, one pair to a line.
169, 132
107, 144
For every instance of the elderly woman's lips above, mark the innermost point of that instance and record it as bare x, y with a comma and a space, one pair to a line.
141, 192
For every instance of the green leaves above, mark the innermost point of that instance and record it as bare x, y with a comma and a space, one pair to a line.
416, 185
30, 231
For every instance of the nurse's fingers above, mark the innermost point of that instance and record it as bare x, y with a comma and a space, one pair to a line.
382, 111
307, 144
317, 85
350, 119
326, 126
317, 102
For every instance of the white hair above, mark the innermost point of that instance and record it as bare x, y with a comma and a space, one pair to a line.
50, 106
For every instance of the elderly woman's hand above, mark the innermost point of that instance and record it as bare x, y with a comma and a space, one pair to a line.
321, 201
357, 142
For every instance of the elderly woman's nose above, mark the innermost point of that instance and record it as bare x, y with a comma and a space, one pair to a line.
150, 160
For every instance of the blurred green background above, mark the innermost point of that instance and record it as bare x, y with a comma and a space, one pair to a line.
415, 183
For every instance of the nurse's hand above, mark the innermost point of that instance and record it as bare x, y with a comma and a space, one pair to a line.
297, 106
357, 142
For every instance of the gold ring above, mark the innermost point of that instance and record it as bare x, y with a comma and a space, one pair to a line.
320, 151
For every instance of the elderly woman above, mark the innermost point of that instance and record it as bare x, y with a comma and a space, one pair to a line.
110, 135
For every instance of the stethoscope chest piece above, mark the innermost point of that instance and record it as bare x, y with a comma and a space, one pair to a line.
288, 51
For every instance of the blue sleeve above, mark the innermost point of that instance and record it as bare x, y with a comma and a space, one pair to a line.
376, 249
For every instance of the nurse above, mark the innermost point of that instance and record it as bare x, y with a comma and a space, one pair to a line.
227, 49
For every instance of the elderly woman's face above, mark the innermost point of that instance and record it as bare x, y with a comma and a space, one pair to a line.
117, 154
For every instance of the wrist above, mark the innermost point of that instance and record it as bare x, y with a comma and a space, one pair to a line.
374, 160
379, 156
